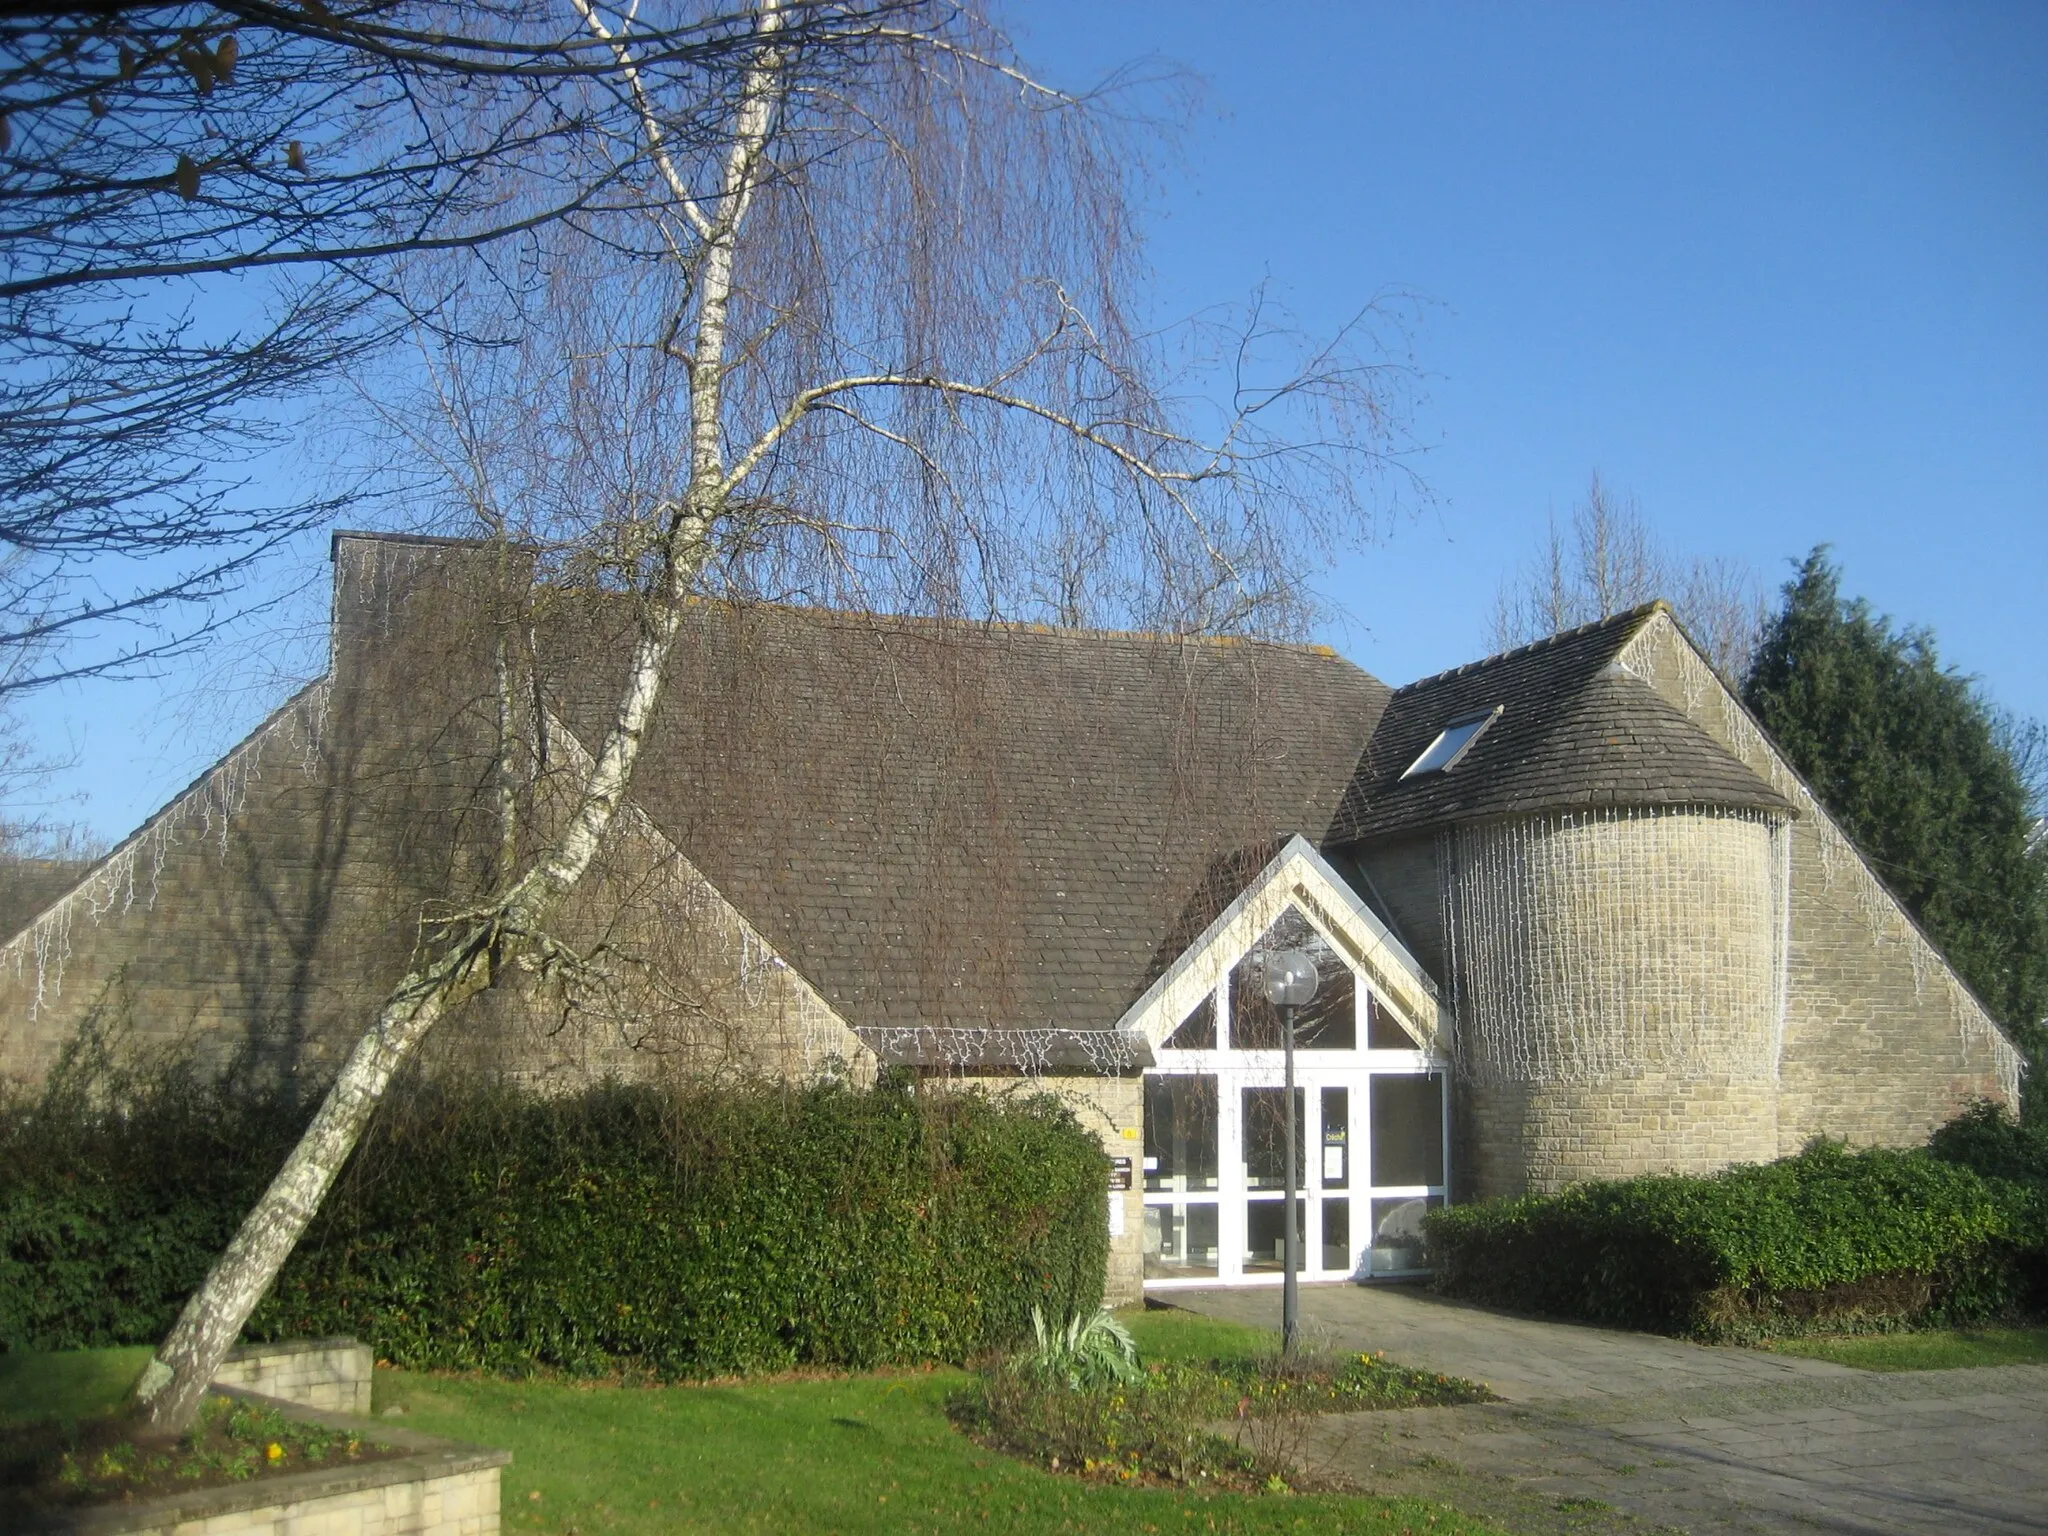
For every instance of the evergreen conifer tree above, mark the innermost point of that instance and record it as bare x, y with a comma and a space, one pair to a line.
1908, 757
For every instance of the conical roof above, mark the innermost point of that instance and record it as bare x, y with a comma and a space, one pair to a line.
1568, 728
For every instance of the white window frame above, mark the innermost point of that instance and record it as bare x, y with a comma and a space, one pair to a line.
1234, 1071
1381, 967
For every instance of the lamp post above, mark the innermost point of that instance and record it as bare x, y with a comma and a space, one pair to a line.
1289, 979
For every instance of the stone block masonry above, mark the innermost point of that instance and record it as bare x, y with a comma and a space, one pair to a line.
329, 1374
416, 1502
1882, 1043
438, 1488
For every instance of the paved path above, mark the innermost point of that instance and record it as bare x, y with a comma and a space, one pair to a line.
1713, 1442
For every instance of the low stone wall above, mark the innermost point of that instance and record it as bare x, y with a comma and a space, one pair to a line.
330, 1374
441, 1488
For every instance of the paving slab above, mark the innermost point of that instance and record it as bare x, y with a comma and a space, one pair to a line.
1681, 1437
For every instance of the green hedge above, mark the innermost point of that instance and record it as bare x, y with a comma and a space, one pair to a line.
1829, 1238
1987, 1139
620, 1229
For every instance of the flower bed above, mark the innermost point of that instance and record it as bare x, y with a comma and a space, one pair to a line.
254, 1466
1220, 1424
257, 1467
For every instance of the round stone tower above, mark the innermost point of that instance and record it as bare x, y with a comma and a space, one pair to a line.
1601, 890
1617, 978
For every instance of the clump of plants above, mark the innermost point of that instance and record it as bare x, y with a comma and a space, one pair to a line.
1831, 1239
57, 1465
1082, 1401
1992, 1142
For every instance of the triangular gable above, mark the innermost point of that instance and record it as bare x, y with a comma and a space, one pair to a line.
1662, 654
1298, 876
773, 988
127, 876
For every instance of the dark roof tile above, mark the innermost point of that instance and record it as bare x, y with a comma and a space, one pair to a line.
890, 799
1576, 731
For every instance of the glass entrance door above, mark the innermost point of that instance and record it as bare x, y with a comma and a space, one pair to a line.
1369, 1164
1369, 1140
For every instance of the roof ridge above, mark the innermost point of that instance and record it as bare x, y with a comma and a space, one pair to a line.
1638, 614
1024, 626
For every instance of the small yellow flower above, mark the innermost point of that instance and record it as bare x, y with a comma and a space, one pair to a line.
274, 1451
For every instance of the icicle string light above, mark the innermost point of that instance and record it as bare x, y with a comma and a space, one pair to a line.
204, 812
1587, 945
1660, 649
1033, 1051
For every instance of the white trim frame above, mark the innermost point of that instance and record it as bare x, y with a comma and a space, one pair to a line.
1297, 876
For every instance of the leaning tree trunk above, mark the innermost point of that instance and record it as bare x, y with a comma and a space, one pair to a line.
472, 951
461, 963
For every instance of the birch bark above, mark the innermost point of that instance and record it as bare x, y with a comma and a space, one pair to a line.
470, 952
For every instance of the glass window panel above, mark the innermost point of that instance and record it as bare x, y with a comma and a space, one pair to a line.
1383, 1030
1330, 1023
1337, 1236
1180, 1240
1180, 1131
1265, 1233
1197, 1031
1451, 743
1265, 1138
1407, 1129
1336, 1138
1397, 1246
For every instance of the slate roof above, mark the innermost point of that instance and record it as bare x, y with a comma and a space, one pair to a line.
966, 826
1576, 731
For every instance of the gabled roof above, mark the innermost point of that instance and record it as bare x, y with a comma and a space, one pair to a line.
1299, 877
1576, 731
951, 826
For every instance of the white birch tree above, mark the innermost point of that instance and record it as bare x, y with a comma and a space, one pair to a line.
869, 345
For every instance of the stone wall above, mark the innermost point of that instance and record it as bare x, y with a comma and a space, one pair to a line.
446, 1493
1882, 1042
1402, 879
1515, 1138
1616, 981
259, 919
1864, 1033
329, 1374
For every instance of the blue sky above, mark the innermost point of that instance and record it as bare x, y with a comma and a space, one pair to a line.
1780, 272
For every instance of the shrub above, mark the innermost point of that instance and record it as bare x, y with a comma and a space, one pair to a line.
1987, 1139
110, 1216
709, 1232
1828, 1237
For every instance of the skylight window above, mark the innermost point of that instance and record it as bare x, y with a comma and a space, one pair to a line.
1452, 743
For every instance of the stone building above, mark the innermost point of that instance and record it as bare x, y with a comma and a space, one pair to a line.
1572, 913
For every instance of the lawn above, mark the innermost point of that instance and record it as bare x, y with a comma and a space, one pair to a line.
1168, 1333
80, 1384
831, 1454
1938, 1349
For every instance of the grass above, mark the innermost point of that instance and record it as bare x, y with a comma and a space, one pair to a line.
1168, 1333
851, 1454
1935, 1349
848, 1454
80, 1384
